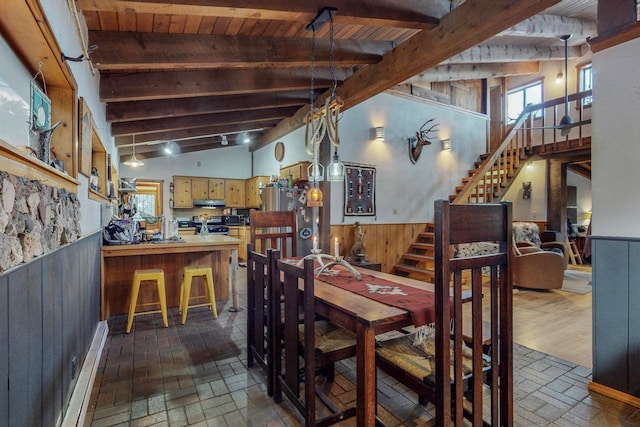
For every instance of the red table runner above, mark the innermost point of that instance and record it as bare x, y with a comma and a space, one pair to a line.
419, 303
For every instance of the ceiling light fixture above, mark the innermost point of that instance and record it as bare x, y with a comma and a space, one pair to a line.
323, 121
223, 140
245, 137
133, 161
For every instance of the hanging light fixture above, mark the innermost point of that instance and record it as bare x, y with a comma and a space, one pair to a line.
323, 121
133, 161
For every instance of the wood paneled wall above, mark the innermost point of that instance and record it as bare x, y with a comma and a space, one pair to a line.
49, 311
384, 243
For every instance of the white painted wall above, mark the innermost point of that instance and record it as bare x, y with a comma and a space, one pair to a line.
227, 162
409, 189
616, 142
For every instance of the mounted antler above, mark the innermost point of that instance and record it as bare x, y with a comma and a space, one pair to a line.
422, 138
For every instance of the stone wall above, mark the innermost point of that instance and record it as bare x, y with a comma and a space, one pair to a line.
35, 218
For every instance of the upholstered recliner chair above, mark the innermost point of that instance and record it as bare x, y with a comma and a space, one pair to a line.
527, 234
535, 268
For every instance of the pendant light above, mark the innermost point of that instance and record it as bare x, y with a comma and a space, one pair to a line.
336, 169
324, 121
133, 161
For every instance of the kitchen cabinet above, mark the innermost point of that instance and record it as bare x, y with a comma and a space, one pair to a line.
234, 193
182, 192
252, 190
244, 234
216, 188
199, 188
298, 171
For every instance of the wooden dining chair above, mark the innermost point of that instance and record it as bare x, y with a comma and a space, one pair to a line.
447, 374
259, 309
317, 344
275, 230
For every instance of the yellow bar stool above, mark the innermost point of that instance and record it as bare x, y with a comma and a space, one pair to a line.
139, 276
188, 273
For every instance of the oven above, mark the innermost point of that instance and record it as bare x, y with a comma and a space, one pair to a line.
233, 219
214, 225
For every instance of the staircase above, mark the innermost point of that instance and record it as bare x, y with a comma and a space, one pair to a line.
494, 173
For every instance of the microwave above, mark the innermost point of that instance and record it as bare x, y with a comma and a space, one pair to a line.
233, 219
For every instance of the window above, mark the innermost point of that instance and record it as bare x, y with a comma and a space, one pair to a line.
585, 74
519, 98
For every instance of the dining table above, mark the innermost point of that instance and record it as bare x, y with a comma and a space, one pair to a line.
367, 317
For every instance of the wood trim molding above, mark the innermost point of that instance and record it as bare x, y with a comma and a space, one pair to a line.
614, 394
620, 35
15, 162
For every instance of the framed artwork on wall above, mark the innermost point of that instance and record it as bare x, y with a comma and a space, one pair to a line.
86, 124
359, 190
40, 108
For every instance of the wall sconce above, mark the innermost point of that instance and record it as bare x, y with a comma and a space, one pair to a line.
559, 78
379, 133
446, 144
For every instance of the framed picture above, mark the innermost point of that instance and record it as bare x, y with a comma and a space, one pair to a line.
40, 108
85, 131
359, 190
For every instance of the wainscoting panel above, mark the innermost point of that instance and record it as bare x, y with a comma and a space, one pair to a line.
384, 243
616, 313
49, 308
4, 353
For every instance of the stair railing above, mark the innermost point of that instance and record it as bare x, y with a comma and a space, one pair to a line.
497, 168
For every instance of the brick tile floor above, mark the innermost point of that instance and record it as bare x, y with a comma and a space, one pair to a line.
196, 375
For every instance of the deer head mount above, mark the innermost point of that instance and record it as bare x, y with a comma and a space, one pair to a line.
423, 137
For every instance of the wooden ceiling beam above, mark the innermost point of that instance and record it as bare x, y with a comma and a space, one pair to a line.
163, 51
472, 22
155, 109
485, 53
184, 84
547, 26
391, 13
201, 120
453, 72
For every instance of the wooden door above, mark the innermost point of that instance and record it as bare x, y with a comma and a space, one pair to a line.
216, 188
497, 114
234, 193
182, 193
199, 188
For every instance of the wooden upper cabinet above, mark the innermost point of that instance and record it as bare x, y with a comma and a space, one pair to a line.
298, 171
199, 188
216, 188
252, 190
234, 193
182, 192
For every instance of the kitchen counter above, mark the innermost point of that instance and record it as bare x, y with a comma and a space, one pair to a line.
120, 261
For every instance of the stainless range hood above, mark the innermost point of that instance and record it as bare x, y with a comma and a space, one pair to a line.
215, 203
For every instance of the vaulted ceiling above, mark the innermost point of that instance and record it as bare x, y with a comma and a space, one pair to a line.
189, 71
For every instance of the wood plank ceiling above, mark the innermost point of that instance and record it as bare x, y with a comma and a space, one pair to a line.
190, 71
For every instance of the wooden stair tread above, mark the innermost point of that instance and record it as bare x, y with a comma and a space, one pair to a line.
422, 246
418, 257
414, 270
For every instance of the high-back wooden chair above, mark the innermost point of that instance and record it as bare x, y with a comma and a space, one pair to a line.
454, 225
274, 230
317, 343
259, 309
436, 375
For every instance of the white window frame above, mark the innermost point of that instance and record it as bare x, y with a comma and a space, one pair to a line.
523, 89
